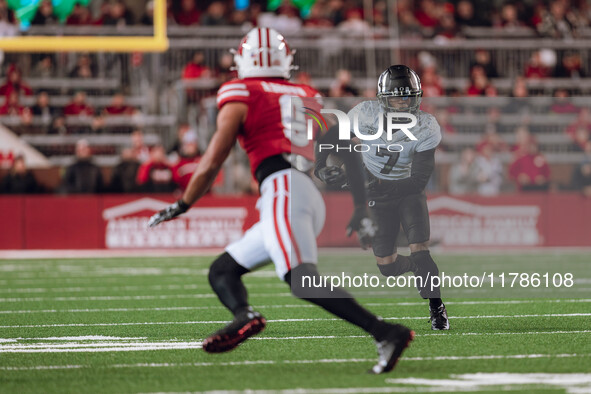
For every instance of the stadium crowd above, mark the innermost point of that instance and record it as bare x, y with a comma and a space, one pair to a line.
417, 19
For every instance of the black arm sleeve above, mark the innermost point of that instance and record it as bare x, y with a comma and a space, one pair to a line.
353, 167
423, 164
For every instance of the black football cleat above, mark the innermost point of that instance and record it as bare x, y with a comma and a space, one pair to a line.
391, 348
244, 326
439, 320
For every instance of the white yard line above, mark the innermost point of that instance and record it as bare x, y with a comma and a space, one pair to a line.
280, 362
38, 290
285, 320
188, 308
6, 343
124, 298
105, 253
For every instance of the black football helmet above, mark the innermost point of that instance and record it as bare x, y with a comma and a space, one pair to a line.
399, 89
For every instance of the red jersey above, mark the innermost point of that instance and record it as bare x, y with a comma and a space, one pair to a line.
267, 129
184, 169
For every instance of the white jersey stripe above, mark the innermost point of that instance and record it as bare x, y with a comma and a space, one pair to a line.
232, 86
230, 93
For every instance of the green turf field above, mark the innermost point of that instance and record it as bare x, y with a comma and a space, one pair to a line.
131, 325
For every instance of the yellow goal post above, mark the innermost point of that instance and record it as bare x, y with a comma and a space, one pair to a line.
156, 43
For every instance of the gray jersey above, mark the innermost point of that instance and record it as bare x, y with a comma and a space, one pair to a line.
383, 163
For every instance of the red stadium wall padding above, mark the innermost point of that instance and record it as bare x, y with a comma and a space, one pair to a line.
62, 222
120, 221
12, 225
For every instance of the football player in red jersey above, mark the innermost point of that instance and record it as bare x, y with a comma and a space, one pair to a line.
256, 110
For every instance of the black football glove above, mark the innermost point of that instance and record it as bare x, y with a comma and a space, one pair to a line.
168, 213
331, 175
363, 224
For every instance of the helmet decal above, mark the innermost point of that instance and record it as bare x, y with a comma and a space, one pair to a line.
263, 52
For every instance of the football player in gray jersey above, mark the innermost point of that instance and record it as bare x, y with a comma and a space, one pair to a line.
398, 170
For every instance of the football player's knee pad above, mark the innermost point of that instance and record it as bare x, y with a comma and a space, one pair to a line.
224, 266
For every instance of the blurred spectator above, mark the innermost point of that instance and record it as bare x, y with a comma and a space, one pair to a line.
335, 11
58, 126
42, 107
303, 77
519, 88
409, 26
479, 83
14, 83
83, 176
240, 18
562, 103
559, 21
19, 180
427, 13
463, 176
7, 26
510, 16
581, 178
104, 11
580, 130
354, 23
44, 68
84, 68
224, 72
148, 17
538, 66
431, 83
188, 14
443, 118
6, 14
155, 175
118, 15
341, 86
44, 15
6, 159
175, 150
80, 16
490, 172
530, 171
523, 139
465, 15
570, 67
118, 106
140, 150
195, 68
317, 17
123, 177
214, 15
491, 139
12, 107
188, 160
285, 19
447, 28
519, 104
380, 14
97, 126
482, 58
78, 106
